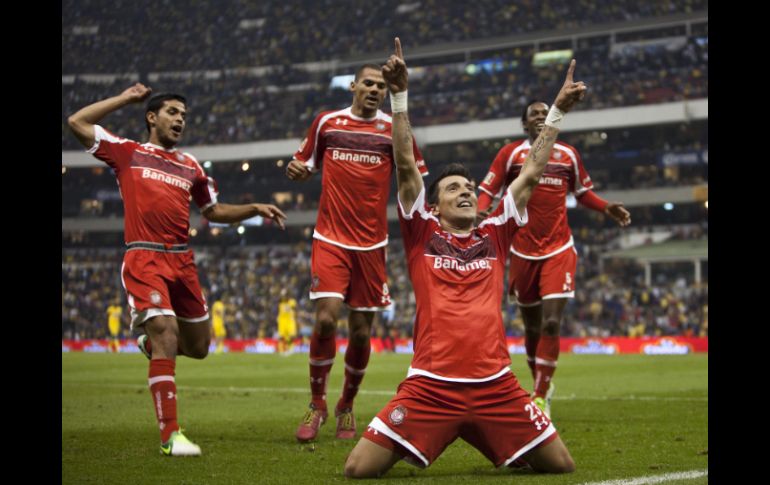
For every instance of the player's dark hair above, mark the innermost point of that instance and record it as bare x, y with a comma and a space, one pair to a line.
361, 69
156, 103
449, 170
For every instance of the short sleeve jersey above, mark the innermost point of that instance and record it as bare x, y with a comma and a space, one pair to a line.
156, 186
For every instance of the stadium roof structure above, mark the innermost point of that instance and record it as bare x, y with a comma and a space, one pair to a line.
669, 251
694, 251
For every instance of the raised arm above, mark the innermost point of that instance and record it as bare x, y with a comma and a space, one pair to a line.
408, 175
571, 92
82, 123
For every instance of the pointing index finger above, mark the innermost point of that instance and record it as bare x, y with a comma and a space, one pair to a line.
570, 71
399, 52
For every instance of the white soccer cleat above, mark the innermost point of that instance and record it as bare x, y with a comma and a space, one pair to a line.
179, 445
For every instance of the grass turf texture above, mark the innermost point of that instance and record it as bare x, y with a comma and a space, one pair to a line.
621, 416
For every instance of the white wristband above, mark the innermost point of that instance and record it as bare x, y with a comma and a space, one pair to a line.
555, 117
398, 102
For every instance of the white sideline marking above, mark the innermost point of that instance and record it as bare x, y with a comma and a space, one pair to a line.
654, 478
302, 390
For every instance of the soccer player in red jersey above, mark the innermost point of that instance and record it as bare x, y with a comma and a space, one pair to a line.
157, 182
543, 256
354, 148
459, 383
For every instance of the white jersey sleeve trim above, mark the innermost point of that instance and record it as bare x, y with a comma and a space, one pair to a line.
310, 163
384, 429
210, 204
509, 212
569, 244
211, 191
101, 134
422, 162
487, 191
419, 204
552, 296
192, 157
420, 372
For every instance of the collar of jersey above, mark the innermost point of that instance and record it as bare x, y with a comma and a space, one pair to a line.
159, 147
358, 118
459, 235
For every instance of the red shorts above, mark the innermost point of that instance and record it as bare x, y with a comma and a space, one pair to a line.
498, 418
357, 277
532, 281
160, 283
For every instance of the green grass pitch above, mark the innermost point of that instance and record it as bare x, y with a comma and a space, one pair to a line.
621, 416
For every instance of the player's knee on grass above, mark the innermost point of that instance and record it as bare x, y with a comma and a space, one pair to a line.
563, 464
369, 460
358, 466
353, 466
551, 458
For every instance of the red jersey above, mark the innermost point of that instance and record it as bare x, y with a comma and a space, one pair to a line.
548, 232
458, 287
356, 155
156, 186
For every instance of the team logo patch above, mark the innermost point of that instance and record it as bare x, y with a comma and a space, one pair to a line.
397, 415
557, 155
567, 282
489, 178
316, 280
380, 126
385, 294
180, 157
155, 297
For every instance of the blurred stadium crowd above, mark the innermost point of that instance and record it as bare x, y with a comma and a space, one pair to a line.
261, 70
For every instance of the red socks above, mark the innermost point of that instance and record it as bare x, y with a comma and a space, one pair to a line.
545, 363
530, 344
356, 359
322, 352
163, 391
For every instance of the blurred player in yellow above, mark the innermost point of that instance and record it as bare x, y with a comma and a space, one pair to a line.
114, 315
287, 323
218, 325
